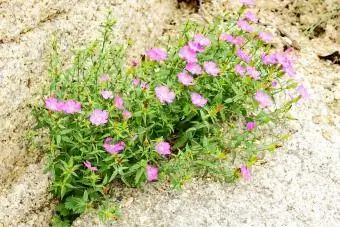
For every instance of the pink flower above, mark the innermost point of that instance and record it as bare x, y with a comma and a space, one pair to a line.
99, 117
243, 25
144, 85
134, 63
262, 98
287, 60
185, 79
164, 94
251, 125
250, 16
226, 37
253, 73
269, 59
151, 173
198, 100
238, 41
201, 39
157, 54
119, 103
243, 55
231, 39
240, 70
248, 2
71, 107
211, 68
303, 92
88, 165
246, 174
265, 37
163, 148
54, 104
196, 46
135, 82
194, 68
188, 54
113, 148
126, 115
104, 78
106, 94
274, 83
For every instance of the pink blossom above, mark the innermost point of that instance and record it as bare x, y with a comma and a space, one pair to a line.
151, 173
119, 103
303, 92
188, 54
201, 39
164, 94
104, 78
99, 117
246, 174
163, 148
144, 85
253, 73
106, 94
135, 82
243, 25
134, 63
289, 70
262, 98
250, 16
185, 79
88, 165
157, 54
71, 107
287, 60
226, 37
126, 115
194, 68
274, 83
243, 55
113, 148
251, 125
196, 46
265, 37
198, 100
211, 68
238, 41
269, 59
61, 105
54, 104
231, 39
248, 2
239, 69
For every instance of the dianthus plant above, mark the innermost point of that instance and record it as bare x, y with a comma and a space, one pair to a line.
197, 105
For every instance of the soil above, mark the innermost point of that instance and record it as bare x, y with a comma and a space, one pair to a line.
297, 186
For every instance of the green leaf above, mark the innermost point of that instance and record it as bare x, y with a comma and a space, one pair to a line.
180, 142
58, 138
139, 175
77, 205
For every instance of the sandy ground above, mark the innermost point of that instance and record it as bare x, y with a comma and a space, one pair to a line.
298, 186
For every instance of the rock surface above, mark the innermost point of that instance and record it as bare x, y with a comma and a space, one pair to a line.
298, 186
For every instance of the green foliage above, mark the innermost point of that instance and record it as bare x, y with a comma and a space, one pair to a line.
205, 140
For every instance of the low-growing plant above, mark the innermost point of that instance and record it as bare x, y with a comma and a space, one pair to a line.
192, 108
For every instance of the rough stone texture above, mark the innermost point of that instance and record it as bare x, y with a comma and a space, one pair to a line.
28, 201
298, 186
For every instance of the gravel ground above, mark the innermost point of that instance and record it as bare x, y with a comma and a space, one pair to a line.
298, 186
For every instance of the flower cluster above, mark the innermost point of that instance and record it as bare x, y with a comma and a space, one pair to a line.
164, 115
68, 107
